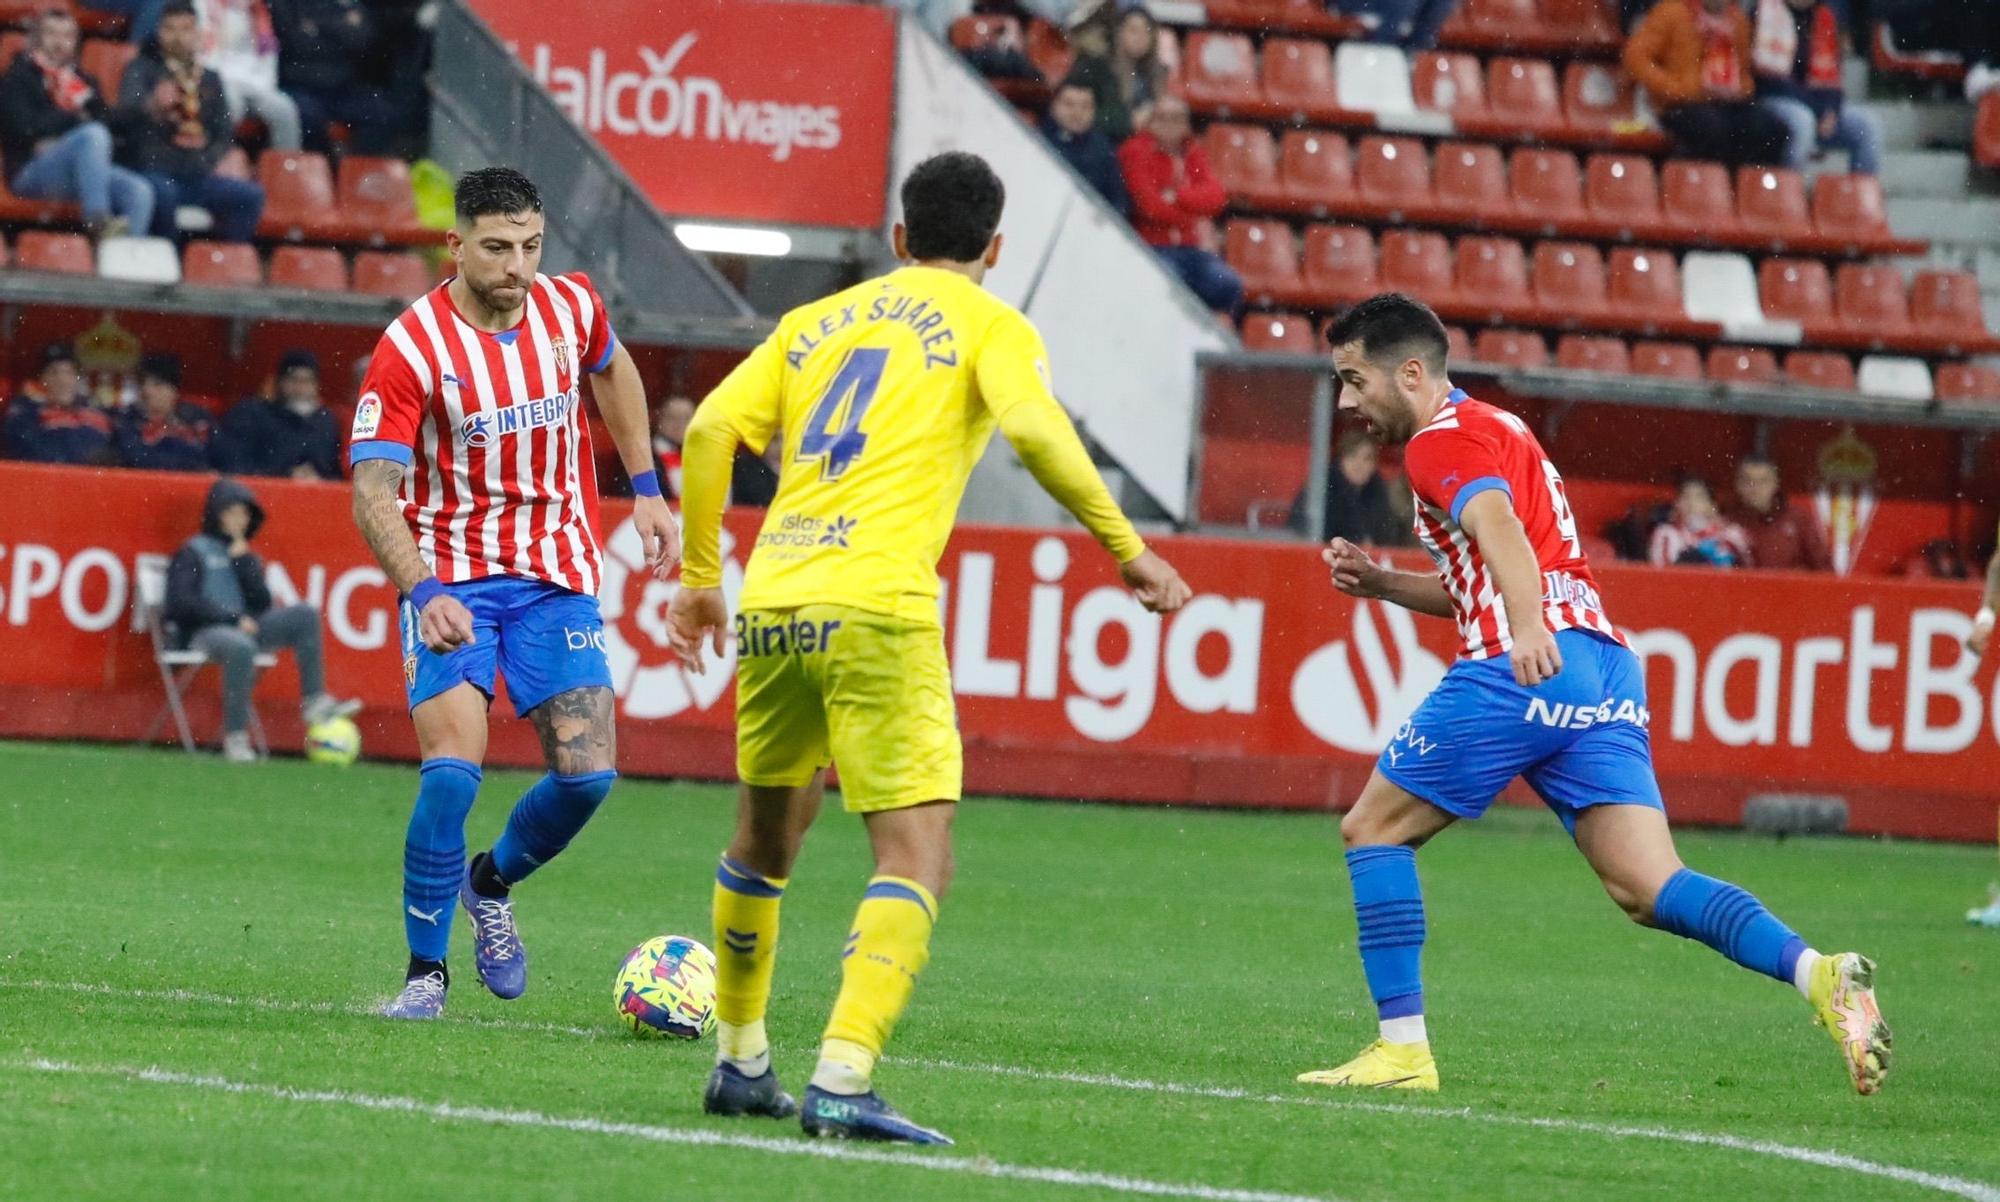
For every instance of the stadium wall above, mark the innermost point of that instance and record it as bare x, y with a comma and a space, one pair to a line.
1269, 690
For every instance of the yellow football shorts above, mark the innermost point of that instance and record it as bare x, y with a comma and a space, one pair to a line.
869, 692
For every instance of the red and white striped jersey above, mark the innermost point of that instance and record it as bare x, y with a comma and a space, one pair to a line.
1471, 447
500, 479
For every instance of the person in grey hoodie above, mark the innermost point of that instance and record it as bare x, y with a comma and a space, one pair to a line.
217, 603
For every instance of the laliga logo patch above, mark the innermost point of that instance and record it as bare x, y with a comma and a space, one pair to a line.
368, 415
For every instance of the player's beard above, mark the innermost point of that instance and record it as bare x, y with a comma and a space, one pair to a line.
500, 297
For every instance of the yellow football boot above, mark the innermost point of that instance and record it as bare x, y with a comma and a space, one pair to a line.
1383, 1065
1843, 1000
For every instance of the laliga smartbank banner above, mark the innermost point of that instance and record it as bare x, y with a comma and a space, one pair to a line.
1267, 690
728, 109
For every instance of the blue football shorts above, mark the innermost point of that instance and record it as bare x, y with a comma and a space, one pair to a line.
543, 638
1580, 739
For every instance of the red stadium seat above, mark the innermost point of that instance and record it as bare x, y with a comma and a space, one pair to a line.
1849, 206
298, 194
1315, 168
1394, 173
1578, 352
1742, 365
1219, 71
1470, 179
1986, 131
1265, 255
1968, 382
1449, 83
1645, 286
12, 42
1583, 21
981, 31
380, 273
378, 202
1523, 94
1820, 369
1872, 299
1623, 193
1511, 348
106, 60
1547, 187
1771, 202
41, 250
1245, 159
1417, 263
1299, 76
1459, 343
221, 265
1341, 262
1666, 360
1569, 281
313, 268
1278, 332
1491, 22
1492, 273
1947, 302
1050, 51
1598, 98
1798, 290
1696, 199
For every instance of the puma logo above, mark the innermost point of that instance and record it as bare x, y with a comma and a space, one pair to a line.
431, 917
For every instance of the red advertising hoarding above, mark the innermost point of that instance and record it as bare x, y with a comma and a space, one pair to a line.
733, 110
1268, 690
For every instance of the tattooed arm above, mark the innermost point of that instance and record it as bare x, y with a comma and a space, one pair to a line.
443, 622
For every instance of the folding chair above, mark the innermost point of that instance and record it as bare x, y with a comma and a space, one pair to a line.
179, 666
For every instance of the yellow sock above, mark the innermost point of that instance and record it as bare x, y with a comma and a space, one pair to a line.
746, 950
889, 946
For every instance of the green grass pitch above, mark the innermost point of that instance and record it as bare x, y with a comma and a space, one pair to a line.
1117, 1004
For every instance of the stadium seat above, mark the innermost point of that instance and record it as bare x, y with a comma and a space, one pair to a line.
313, 268
1458, 343
1894, 377
1820, 369
1752, 365
1849, 206
1623, 193
391, 273
1219, 71
1547, 187
1872, 300
1245, 159
106, 60
982, 31
1341, 262
1265, 255
1579, 352
1050, 51
1278, 332
1522, 94
1498, 18
1417, 263
1449, 83
1598, 98
1511, 348
41, 250
1666, 360
1645, 286
1798, 290
1986, 131
1696, 200
1947, 303
1315, 169
12, 42
378, 202
221, 265
139, 260
1968, 382
1298, 77
1583, 21
299, 199
1569, 281
1393, 174
1492, 273
1771, 203
1373, 79
1720, 286
1470, 180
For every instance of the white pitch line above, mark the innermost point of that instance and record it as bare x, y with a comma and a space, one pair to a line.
978, 1166
1973, 1191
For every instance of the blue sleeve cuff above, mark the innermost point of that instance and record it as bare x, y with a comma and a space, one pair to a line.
610, 344
378, 448
1472, 488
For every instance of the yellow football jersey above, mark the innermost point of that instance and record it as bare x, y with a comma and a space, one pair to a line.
886, 394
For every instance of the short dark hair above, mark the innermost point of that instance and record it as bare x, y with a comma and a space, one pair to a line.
1756, 460
1391, 329
951, 207
490, 190
178, 8
1071, 81
58, 352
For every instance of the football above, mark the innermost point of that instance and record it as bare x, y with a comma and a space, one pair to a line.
334, 741
666, 989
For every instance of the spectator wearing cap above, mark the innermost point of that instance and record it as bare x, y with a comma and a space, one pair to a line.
53, 136
162, 432
1799, 51
53, 421
1693, 59
291, 433
178, 131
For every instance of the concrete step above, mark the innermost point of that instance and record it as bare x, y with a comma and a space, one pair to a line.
1923, 125
1961, 222
1926, 173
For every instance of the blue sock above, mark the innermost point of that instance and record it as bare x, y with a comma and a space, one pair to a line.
546, 818
1389, 909
1729, 920
434, 853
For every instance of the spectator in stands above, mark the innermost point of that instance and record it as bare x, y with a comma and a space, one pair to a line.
1411, 24
1175, 195
288, 434
670, 427
53, 420
179, 131
1071, 127
163, 432
240, 44
320, 44
218, 604
1799, 65
1693, 59
1697, 534
1359, 504
1779, 536
53, 135
1127, 80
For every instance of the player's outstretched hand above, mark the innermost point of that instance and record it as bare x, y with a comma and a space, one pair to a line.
1155, 582
698, 620
1536, 657
445, 624
1354, 573
659, 532
1982, 633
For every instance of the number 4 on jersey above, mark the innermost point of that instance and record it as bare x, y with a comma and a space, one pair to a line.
833, 434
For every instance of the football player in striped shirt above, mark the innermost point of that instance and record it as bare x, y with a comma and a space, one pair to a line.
473, 486
1544, 688
1987, 915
